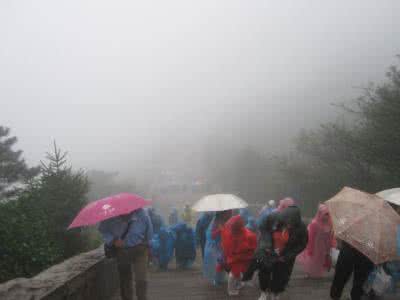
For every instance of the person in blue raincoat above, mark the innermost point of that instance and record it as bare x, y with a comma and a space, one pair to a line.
185, 245
132, 249
201, 229
266, 211
245, 214
251, 224
166, 245
156, 220
213, 255
173, 217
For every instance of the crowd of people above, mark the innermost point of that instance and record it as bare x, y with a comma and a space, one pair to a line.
239, 248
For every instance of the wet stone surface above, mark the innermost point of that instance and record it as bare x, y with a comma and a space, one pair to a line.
189, 284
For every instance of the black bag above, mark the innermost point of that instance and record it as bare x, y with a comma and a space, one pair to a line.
261, 261
110, 251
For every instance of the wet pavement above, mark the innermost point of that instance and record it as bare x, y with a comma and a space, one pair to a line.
190, 284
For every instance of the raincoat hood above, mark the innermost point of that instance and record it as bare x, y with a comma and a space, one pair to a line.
323, 218
235, 225
251, 224
179, 226
238, 244
244, 213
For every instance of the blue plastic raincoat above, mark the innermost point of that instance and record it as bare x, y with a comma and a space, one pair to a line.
263, 215
251, 224
173, 218
156, 220
201, 229
185, 245
162, 247
213, 255
245, 214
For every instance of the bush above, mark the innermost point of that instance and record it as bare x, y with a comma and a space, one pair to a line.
33, 233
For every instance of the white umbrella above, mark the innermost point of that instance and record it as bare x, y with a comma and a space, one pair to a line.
219, 202
392, 195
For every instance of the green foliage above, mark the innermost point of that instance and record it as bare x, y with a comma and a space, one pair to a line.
33, 233
13, 168
362, 152
24, 238
379, 110
63, 193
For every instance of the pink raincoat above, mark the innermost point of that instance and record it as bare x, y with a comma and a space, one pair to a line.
315, 259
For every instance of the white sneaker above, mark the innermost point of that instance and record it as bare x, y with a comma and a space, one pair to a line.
275, 297
263, 296
233, 293
233, 285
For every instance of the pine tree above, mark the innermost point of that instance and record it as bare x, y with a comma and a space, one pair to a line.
63, 192
13, 168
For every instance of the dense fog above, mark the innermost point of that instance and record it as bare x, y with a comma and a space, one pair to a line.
124, 85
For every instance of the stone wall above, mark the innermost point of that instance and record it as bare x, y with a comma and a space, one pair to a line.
86, 276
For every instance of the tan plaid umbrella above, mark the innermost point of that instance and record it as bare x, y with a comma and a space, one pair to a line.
366, 222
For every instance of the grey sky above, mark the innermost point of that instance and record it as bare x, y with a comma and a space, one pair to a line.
116, 82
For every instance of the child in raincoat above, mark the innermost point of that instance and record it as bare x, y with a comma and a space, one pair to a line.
238, 244
316, 258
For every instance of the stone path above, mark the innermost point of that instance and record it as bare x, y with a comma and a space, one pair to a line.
189, 284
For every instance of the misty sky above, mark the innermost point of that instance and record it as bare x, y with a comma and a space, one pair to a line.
119, 82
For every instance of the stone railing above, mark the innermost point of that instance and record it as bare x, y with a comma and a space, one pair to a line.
84, 277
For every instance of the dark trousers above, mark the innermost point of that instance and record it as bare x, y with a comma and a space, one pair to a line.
275, 278
202, 247
350, 261
126, 258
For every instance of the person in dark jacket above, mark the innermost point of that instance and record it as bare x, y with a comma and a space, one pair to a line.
283, 236
350, 261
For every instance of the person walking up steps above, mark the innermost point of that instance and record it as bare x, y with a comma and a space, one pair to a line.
213, 255
316, 258
283, 236
132, 249
238, 244
350, 261
201, 229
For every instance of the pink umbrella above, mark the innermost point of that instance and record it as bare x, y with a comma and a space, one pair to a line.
108, 208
